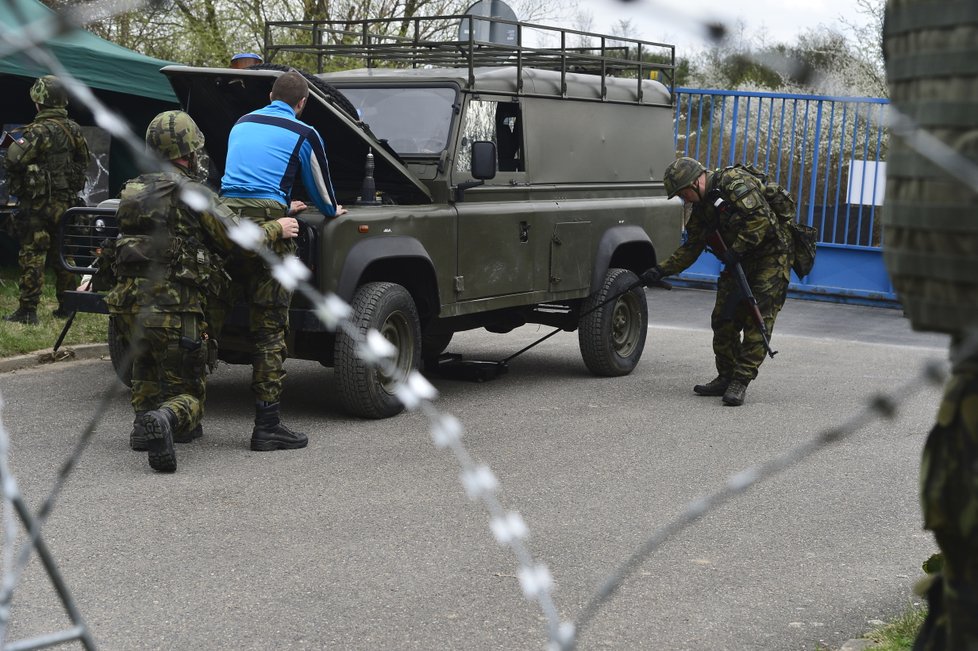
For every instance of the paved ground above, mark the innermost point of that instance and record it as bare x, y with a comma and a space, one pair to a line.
365, 540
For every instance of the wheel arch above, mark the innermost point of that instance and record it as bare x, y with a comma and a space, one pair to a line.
624, 247
401, 260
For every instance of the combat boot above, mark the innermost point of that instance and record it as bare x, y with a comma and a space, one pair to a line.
269, 432
734, 395
158, 426
22, 315
715, 387
189, 437
137, 437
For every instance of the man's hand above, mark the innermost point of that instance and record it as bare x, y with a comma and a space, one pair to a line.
290, 226
296, 207
340, 210
651, 276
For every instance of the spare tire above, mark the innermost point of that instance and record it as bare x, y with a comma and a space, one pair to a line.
333, 95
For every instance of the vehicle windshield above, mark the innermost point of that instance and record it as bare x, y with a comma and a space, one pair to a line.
413, 121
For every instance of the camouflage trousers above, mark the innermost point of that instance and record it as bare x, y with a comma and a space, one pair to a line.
268, 303
738, 345
167, 370
949, 497
38, 245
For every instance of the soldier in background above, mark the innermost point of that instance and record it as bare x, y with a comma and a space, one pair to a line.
46, 171
245, 60
731, 201
930, 246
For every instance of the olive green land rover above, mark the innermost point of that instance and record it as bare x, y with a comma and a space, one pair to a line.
489, 185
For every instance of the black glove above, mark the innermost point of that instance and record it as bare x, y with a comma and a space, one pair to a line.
651, 276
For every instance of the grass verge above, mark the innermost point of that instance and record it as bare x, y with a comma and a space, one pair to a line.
899, 634
18, 338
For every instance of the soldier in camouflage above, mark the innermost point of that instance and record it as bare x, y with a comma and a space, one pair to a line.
165, 264
46, 171
731, 201
930, 246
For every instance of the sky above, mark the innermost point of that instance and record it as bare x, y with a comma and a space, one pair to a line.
672, 21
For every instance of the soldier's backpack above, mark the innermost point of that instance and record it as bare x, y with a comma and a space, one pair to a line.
804, 238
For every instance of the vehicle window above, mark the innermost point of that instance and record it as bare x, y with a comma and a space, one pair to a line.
499, 122
411, 120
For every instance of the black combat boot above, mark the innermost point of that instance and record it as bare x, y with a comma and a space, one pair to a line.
61, 313
158, 426
189, 437
734, 395
715, 387
22, 315
270, 434
137, 437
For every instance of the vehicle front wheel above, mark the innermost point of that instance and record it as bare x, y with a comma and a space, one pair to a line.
119, 352
612, 337
364, 390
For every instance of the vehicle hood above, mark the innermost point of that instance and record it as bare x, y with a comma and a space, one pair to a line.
216, 97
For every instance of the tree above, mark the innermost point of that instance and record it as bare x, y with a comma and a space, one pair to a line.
208, 32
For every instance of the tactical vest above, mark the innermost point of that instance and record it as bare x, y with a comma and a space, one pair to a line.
930, 225
161, 238
780, 200
58, 169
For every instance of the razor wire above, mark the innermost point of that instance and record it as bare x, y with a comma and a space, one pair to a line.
415, 392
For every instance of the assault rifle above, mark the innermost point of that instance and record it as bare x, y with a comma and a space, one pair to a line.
720, 248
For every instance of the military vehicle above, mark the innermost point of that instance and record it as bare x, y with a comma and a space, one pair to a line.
489, 185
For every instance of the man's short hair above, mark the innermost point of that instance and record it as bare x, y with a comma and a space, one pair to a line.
290, 88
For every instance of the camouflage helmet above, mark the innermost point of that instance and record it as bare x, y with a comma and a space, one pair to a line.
49, 91
681, 173
173, 135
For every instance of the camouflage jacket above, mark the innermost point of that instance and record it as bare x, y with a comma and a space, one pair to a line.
167, 258
751, 229
49, 159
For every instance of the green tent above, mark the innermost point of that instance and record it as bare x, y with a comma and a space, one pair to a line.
98, 63
126, 82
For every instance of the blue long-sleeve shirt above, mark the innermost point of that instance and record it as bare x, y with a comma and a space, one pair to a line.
267, 148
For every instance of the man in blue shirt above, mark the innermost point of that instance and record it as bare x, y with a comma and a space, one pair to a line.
267, 149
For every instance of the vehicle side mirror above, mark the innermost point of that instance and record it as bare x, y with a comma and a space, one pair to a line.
483, 160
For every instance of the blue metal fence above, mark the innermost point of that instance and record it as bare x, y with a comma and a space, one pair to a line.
828, 151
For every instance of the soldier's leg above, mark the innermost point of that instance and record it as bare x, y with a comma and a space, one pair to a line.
949, 497
770, 288
64, 280
269, 316
182, 377
726, 330
33, 250
146, 388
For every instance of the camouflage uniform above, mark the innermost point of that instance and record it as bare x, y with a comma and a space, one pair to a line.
754, 233
166, 273
46, 171
268, 301
930, 247
166, 268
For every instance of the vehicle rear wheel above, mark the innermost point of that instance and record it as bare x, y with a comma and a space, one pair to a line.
118, 352
612, 337
365, 390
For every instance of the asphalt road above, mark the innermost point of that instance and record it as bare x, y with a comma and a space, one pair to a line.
366, 540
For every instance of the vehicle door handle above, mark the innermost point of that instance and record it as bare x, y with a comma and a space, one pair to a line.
524, 232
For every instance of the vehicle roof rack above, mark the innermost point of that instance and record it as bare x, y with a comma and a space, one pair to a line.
427, 42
